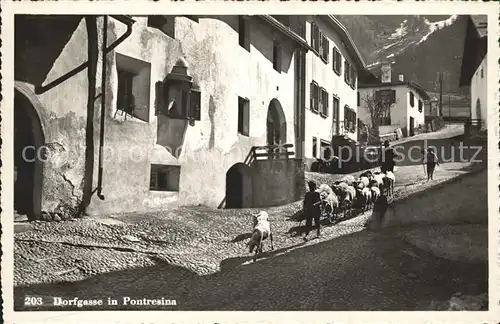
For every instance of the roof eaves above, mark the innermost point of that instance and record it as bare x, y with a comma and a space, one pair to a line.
286, 31
346, 34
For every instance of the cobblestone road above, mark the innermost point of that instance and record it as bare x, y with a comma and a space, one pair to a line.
197, 256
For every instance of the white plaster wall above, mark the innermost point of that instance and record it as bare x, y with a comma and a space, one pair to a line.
223, 70
323, 73
401, 111
478, 90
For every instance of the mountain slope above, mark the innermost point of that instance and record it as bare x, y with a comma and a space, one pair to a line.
418, 46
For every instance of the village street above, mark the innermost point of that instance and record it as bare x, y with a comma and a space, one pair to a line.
197, 256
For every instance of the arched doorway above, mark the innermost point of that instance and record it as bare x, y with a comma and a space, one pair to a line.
276, 124
28, 141
239, 186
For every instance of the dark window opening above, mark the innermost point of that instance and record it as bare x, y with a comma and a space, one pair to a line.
335, 115
337, 61
420, 106
324, 48
315, 147
315, 34
314, 97
349, 119
164, 177
412, 99
326, 153
243, 116
243, 33
277, 53
165, 24
324, 96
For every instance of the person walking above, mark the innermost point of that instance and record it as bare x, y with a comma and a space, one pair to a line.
312, 209
387, 163
431, 161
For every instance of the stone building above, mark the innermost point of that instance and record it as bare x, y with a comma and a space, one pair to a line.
169, 119
332, 68
404, 99
474, 68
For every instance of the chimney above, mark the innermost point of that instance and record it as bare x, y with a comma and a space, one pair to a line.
385, 70
401, 78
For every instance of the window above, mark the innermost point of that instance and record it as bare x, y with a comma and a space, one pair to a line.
353, 76
243, 33
349, 119
482, 73
133, 90
315, 36
164, 177
277, 56
347, 71
324, 48
165, 24
412, 99
243, 116
326, 151
359, 99
336, 115
323, 105
337, 61
314, 94
420, 106
315, 147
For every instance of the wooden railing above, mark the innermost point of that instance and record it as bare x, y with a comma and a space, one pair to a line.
266, 152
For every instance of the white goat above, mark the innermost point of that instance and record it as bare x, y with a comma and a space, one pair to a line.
261, 231
324, 188
375, 193
330, 203
389, 182
366, 193
363, 182
349, 196
349, 179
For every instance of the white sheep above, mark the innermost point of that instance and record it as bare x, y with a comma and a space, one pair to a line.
324, 188
363, 182
261, 231
367, 197
330, 203
349, 179
348, 198
389, 182
375, 193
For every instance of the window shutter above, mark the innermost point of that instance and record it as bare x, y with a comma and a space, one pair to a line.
159, 98
320, 101
326, 47
311, 96
326, 103
320, 47
195, 104
340, 62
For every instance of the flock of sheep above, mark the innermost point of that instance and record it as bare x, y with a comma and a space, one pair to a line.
345, 195
350, 193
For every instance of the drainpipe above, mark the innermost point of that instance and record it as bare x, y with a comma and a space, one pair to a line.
105, 50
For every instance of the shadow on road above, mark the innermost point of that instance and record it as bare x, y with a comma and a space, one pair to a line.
359, 271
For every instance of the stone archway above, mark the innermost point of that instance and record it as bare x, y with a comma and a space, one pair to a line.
276, 124
239, 186
29, 142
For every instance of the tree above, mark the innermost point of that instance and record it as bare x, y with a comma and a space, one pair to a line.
378, 104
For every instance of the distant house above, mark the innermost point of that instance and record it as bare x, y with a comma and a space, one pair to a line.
331, 72
406, 100
474, 68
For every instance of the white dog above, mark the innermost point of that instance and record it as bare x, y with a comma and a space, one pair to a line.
261, 231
